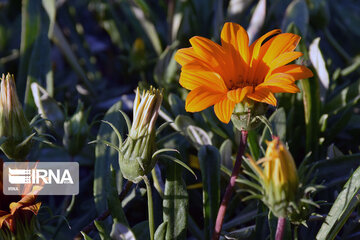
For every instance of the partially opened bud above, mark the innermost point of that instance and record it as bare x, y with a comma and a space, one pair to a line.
14, 127
278, 178
135, 157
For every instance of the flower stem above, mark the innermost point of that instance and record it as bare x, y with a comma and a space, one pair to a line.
150, 207
230, 186
280, 228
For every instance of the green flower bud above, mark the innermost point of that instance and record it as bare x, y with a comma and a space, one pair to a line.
278, 178
135, 156
76, 130
14, 127
245, 114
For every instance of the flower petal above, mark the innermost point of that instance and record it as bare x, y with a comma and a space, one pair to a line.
297, 71
279, 82
186, 55
194, 75
33, 208
263, 95
284, 58
208, 51
235, 40
3, 217
255, 59
238, 95
201, 98
224, 109
255, 46
284, 42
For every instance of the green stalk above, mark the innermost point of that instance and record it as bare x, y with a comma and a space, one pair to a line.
150, 208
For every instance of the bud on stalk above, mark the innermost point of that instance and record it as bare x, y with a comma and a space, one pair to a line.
278, 178
14, 127
135, 156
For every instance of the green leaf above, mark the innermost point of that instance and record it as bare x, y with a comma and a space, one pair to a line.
241, 234
297, 13
177, 105
336, 166
39, 66
164, 150
196, 135
343, 206
182, 122
141, 230
86, 237
121, 232
278, 125
108, 144
178, 161
161, 231
194, 228
114, 202
127, 120
104, 156
253, 144
2, 140
175, 203
226, 153
166, 68
342, 120
115, 130
104, 235
30, 30
312, 104
348, 96
209, 159
318, 62
50, 8
141, 24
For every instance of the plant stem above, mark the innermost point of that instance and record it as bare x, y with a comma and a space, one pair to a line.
150, 207
296, 228
280, 228
230, 186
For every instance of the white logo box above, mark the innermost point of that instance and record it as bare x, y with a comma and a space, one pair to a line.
56, 178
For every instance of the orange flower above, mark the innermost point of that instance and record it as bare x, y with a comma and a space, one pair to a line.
17, 208
235, 72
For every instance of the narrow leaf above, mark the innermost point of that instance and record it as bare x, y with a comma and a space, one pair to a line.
343, 206
209, 158
175, 204
104, 156
178, 161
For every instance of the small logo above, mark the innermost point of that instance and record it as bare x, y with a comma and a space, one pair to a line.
19, 176
57, 178
34, 176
